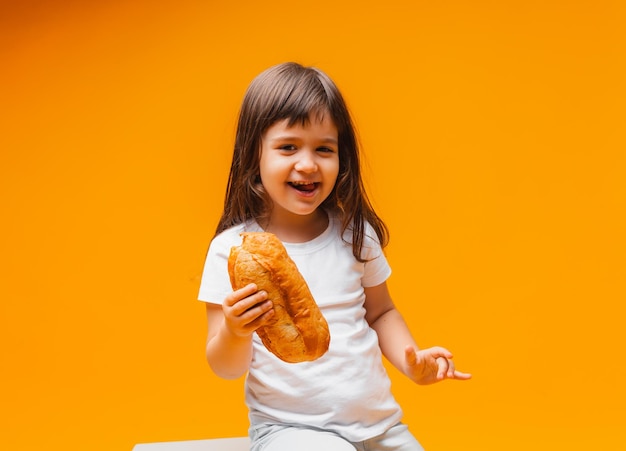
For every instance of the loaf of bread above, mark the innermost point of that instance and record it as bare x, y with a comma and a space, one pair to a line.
297, 332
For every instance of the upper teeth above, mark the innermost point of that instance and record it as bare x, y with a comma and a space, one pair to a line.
301, 183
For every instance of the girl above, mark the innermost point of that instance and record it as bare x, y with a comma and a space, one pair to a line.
296, 173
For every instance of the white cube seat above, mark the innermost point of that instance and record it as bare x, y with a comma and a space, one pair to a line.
216, 444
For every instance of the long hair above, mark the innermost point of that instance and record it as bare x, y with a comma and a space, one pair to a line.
294, 92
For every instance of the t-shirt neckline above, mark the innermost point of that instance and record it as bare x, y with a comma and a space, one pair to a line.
307, 246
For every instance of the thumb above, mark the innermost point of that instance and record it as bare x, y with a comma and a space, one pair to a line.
410, 355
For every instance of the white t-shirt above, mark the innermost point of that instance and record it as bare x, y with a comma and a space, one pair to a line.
347, 390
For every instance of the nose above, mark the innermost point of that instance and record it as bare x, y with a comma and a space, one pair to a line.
306, 162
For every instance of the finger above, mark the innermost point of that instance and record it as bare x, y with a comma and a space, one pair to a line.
240, 294
451, 369
249, 302
254, 319
253, 307
438, 351
462, 376
442, 367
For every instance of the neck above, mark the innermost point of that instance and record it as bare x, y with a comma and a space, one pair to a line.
295, 228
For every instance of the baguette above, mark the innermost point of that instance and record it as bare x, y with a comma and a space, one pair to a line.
298, 332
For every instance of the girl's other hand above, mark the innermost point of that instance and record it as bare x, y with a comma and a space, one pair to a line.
246, 309
431, 365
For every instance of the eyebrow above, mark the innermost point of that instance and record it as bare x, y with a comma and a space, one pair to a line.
328, 139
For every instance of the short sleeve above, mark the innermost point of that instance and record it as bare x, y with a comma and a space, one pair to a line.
377, 269
215, 283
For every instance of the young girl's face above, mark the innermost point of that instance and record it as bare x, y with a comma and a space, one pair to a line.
299, 166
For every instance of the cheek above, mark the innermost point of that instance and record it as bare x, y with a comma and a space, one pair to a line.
333, 170
265, 168
272, 173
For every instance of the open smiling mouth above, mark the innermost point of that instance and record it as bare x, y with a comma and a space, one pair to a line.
304, 186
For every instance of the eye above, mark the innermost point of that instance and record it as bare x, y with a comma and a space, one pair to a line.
287, 147
324, 149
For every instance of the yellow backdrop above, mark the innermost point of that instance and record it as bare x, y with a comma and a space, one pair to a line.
495, 148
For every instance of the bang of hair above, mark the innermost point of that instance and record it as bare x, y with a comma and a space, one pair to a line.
298, 94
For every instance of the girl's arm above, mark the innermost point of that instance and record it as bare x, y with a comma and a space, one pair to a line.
231, 325
398, 346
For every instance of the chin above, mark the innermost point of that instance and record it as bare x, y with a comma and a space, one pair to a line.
304, 211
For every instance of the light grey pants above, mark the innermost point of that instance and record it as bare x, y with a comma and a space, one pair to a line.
300, 438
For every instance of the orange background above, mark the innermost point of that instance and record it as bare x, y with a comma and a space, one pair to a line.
495, 148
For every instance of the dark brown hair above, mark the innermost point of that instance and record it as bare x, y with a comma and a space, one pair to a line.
294, 92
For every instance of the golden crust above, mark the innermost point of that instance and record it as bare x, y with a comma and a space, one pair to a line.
298, 332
